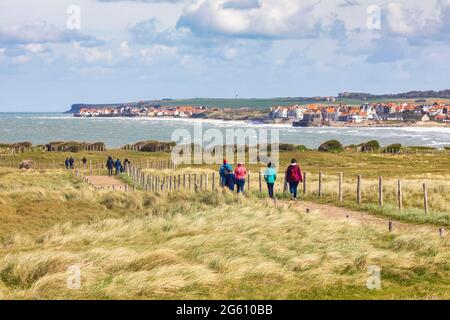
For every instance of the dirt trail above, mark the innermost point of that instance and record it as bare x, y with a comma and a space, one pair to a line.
342, 214
105, 182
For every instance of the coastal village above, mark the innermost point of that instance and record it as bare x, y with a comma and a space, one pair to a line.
298, 115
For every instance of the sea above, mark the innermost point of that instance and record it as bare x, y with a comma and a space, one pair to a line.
41, 128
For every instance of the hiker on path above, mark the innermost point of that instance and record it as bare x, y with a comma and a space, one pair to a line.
126, 163
240, 175
71, 162
230, 180
118, 166
223, 173
67, 163
84, 160
294, 176
110, 165
270, 176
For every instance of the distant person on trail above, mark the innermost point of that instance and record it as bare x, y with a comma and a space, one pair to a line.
84, 160
118, 166
110, 166
126, 163
71, 162
294, 176
270, 176
67, 163
223, 173
240, 175
230, 180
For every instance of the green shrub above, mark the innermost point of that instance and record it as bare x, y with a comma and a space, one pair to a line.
373, 145
393, 148
331, 146
302, 148
73, 146
156, 146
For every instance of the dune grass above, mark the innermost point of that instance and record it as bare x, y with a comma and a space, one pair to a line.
209, 245
438, 186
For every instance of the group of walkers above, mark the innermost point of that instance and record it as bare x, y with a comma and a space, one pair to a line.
230, 179
111, 165
116, 164
69, 163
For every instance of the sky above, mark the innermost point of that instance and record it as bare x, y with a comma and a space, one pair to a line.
54, 53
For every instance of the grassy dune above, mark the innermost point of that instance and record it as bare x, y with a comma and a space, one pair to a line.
207, 245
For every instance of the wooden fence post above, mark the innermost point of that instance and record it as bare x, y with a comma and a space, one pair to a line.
380, 192
213, 181
425, 198
399, 195
304, 183
341, 196
358, 190
260, 182
285, 182
320, 184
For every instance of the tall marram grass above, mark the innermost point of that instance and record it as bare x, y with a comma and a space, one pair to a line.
190, 245
208, 245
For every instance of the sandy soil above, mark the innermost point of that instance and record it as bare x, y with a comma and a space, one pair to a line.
105, 182
343, 214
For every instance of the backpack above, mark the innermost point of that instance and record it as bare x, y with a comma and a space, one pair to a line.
293, 174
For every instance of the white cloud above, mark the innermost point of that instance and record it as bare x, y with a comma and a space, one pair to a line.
39, 33
270, 19
158, 51
35, 48
125, 50
21, 59
92, 55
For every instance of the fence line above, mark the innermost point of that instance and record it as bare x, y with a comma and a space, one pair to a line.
208, 182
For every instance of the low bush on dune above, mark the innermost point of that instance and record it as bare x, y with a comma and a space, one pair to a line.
370, 146
331, 146
393, 148
74, 146
27, 164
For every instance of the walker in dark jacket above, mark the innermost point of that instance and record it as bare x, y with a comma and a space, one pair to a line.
294, 176
230, 180
110, 165
71, 162
118, 166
